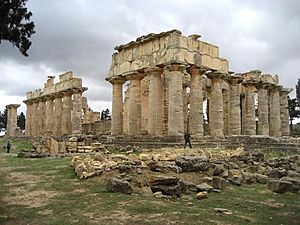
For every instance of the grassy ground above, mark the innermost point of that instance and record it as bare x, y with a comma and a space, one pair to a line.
46, 191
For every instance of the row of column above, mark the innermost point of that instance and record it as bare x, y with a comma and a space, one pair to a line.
56, 114
240, 115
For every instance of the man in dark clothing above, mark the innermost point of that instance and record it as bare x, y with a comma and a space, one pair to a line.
187, 137
8, 146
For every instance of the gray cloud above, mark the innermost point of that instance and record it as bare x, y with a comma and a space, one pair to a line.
80, 36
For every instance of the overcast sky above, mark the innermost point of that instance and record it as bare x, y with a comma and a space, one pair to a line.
80, 35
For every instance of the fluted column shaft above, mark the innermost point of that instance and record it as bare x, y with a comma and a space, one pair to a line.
216, 123
34, 118
263, 111
196, 102
234, 108
275, 123
174, 75
66, 124
58, 110
49, 123
28, 129
284, 112
134, 111
117, 108
41, 117
249, 112
155, 96
12, 116
77, 113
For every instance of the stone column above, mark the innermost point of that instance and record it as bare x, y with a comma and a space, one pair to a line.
174, 76
134, 111
77, 112
49, 122
196, 102
284, 111
34, 118
117, 107
249, 112
41, 117
275, 123
234, 105
28, 130
12, 116
263, 110
155, 112
66, 123
216, 123
58, 110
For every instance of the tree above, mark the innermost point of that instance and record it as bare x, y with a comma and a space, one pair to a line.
21, 121
294, 113
15, 25
3, 119
298, 92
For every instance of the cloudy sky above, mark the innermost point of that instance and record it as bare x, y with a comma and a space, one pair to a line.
80, 35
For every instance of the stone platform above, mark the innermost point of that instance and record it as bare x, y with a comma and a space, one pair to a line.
248, 142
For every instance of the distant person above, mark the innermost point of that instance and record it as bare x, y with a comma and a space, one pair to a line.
187, 140
8, 145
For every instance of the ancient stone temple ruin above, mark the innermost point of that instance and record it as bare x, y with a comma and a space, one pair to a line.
12, 116
173, 80
59, 108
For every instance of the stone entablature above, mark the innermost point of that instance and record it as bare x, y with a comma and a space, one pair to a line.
166, 48
165, 97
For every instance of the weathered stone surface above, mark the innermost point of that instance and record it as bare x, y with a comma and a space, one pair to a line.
219, 183
278, 173
192, 163
204, 187
170, 189
202, 195
164, 180
260, 178
118, 185
281, 186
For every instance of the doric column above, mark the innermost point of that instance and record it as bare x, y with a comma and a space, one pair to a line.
155, 123
117, 107
234, 105
174, 76
249, 111
134, 111
49, 121
275, 123
34, 118
284, 111
58, 110
28, 130
196, 101
66, 123
41, 116
263, 110
12, 117
77, 112
216, 123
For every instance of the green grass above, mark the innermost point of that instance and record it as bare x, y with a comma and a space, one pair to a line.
16, 145
69, 200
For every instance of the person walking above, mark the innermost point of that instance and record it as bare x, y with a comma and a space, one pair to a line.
187, 140
8, 145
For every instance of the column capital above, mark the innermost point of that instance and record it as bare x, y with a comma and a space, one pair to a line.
195, 70
11, 106
116, 79
68, 92
133, 75
28, 101
286, 91
216, 75
49, 97
234, 79
175, 67
154, 70
275, 88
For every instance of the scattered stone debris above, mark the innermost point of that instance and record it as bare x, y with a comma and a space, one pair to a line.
168, 175
224, 211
